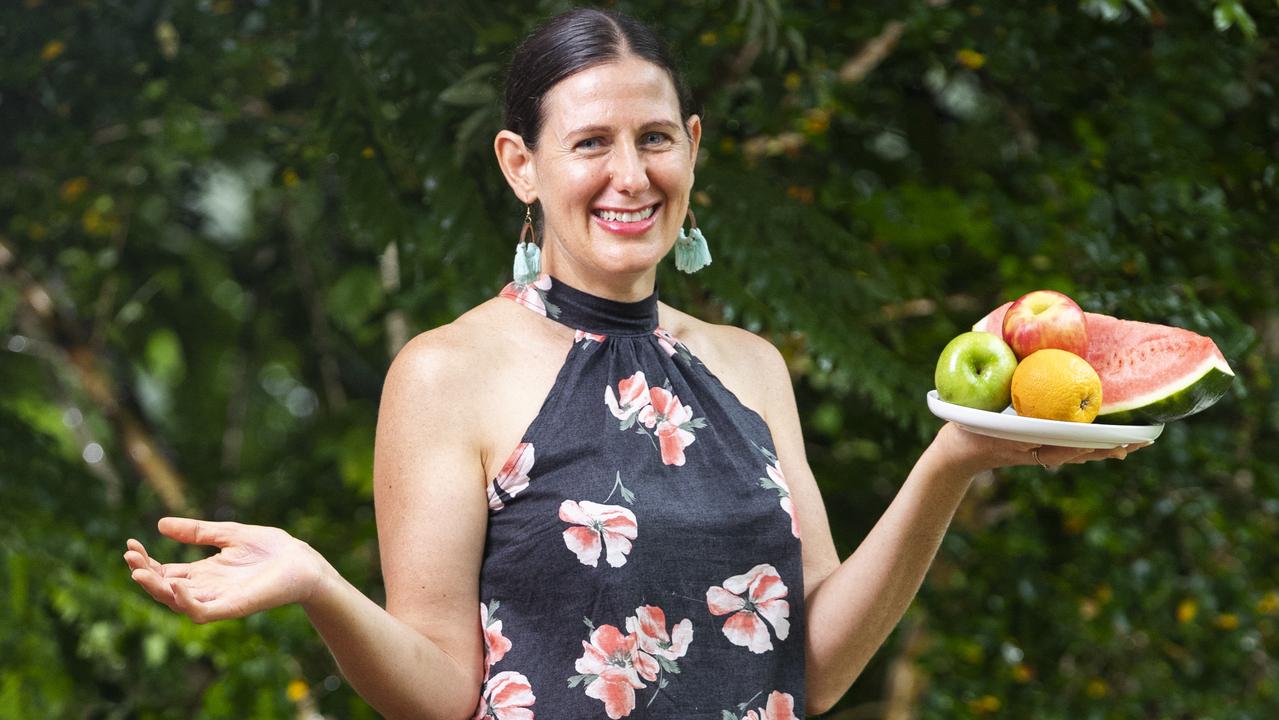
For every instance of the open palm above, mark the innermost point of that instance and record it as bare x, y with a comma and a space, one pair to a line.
256, 568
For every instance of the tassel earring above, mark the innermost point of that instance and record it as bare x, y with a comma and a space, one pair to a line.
528, 255
691, 252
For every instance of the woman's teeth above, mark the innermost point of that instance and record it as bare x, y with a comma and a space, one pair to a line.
628, 217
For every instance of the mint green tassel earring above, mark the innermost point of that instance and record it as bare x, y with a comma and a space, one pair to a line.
691, 252
528, 256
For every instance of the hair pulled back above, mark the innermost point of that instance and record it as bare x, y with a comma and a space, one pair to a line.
569, 43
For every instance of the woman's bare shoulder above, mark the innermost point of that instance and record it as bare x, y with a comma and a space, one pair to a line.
458, 353
748, 364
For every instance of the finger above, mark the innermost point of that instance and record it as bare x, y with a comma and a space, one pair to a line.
198, 532
156, 587
139, 548
202, 607
175, 570
1056, 456
136, 560
1091, 455
185, 602
1115, 453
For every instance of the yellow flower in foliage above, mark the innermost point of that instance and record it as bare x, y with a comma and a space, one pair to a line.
816, 121
297, 690
95, 222
709, 38
1187, 610
1269, 603
367, 152
802, 193
985, 705
1097, 689
52, 50
1023, 673
1227, 621
1074, 523
290, 177
1104, 593
970, 59
100, 220
72, 189
793, 81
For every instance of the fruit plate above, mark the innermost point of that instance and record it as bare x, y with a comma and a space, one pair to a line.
1011, 426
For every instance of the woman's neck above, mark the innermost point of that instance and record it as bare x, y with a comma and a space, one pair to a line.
622, 287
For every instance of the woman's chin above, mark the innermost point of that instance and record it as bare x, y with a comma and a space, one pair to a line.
635, 261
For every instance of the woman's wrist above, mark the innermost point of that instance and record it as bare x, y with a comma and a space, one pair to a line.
959, 452
323, 582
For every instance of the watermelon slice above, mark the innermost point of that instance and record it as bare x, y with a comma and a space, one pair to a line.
1149, 373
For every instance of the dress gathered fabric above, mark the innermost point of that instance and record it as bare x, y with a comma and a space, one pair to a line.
642, 557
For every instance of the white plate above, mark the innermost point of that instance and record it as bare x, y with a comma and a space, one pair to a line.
1011, 426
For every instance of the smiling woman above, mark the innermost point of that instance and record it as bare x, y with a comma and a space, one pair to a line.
609, 161
589, 503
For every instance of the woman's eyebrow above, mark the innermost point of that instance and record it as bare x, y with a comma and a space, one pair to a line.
605, 129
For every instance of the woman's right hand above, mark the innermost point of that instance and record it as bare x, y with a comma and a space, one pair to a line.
257, 568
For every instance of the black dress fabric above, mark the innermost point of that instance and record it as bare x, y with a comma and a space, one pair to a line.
642, 558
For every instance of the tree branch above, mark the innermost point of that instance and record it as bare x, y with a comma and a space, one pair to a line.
131, 432
872, 53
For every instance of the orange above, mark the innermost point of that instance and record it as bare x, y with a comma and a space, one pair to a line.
1056, 385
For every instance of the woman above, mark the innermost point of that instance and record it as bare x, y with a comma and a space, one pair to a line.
612, 500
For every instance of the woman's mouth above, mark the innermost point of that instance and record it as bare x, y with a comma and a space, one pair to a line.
627, 222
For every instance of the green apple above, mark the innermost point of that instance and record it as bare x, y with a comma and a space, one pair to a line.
976, 370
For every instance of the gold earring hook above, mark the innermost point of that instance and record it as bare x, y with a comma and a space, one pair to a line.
528, 228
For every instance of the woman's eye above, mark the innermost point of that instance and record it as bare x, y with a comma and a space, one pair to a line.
591, 144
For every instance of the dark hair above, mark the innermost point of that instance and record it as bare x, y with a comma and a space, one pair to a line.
572, 42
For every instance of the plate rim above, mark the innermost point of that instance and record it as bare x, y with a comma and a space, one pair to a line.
1039, 429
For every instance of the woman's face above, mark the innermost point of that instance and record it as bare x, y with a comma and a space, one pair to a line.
612, 169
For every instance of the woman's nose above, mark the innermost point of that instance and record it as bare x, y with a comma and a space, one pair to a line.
628, 171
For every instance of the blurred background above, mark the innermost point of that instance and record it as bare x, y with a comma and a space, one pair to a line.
220, 219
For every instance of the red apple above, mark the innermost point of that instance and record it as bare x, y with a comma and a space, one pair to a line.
1045, 319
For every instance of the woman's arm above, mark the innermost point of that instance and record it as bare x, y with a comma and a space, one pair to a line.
421, 657
851, 607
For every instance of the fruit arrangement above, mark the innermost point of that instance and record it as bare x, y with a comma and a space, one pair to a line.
1052, 360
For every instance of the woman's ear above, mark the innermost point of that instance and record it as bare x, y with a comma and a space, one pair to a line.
694, 125
516, 161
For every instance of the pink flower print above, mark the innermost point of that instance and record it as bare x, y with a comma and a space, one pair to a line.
672, 346
532, 296
507, 696
648, 624
781, 706
495, 644
752, 598
610, 527
672, 420
632, 397
666, 340
783, 490
777, 481
514, 476
580, 335
608, 667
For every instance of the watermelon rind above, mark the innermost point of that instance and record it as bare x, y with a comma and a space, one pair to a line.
1196, 392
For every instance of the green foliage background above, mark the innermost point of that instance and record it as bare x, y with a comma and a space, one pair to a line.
218, 219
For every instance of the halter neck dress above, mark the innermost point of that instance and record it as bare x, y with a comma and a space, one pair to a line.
642, 557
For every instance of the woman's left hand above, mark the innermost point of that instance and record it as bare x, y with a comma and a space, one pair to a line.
977, 453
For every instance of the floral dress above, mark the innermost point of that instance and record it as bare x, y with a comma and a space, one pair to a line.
642, 558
